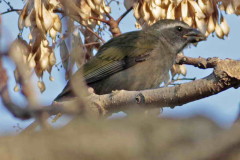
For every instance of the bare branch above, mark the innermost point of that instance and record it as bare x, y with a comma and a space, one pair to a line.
11, 10
123, 15
198, 62
90, 30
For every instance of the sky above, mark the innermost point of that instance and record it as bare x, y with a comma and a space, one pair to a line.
222, 108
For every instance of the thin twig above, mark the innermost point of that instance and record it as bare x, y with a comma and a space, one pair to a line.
101, 20
92, 43
90, 30
12, 10
8, 3
123, 15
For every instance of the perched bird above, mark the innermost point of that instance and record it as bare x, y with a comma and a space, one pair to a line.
136, 60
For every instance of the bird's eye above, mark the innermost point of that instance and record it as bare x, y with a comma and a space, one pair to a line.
179, 28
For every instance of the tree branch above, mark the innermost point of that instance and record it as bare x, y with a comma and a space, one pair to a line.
123, 15
132, 138
11, 10
226, 74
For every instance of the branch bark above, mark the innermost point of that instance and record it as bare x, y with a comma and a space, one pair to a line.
132, 138
226, 74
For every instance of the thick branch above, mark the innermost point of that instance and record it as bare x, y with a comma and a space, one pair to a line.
165, 97
132, 138
226, 74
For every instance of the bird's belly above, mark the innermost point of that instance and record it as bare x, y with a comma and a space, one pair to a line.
144, 75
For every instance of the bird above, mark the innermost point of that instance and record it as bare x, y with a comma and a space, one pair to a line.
136, 60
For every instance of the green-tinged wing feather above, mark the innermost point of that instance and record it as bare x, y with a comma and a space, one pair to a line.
131, 44
114, 56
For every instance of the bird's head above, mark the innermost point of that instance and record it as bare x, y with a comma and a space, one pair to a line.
176, 33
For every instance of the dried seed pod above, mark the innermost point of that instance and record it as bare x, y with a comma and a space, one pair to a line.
19, 50
201, 24
224, 26
184, 9
138, 26
30, 19
178, 70
16, 88
137, 11
41, 86
171, 11
210, 25
22, 17
188, 20
196, 9
229, 8
53, 33
51, 78
91, 4
44, 62
218, 31
57, 25
52, 59
45, 42
47, 19
156, 10
206, 6
31, 61
145, 12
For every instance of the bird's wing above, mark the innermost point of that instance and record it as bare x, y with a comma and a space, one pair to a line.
118, 54
114, 56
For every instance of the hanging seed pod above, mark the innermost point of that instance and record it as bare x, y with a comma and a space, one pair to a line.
52, 59
51, 78
30, 19
41, 86
57, 25
218, 31
47, 19
188, 20
224, 26
53, 33
45, 42
16, 88
137, 25
19, 50
201, 25
91, 4
184, 9
230, 9
157, 2
145, 12
22, 17
210, 25
31, 61
137, 11
196, 9
171, 11
156, 11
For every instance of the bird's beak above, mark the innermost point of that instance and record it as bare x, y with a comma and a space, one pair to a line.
194, 36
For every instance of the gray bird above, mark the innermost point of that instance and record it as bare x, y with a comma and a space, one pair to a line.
136, 60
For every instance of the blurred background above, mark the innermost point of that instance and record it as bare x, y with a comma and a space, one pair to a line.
222, 108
